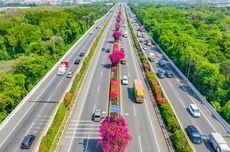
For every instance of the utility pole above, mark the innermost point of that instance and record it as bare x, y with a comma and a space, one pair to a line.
190, 59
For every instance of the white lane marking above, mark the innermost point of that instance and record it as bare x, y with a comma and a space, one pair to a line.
29, 129
85, 128
134, 110
182, 102
198, 106
139, 139
25, 113
79, 137
101, 74
86, 124
151, 123
86, 148
81, 108
98, 88
126, 114
94, 107
80, 132
129, 74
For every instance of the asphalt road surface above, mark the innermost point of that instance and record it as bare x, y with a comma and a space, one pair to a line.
82, 133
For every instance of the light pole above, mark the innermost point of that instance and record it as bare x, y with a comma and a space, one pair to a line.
190, 59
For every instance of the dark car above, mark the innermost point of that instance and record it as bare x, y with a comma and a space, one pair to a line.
161, 62
168, 74
108, 50
194, 134
103, 49
77, 61
82, 54
161, 73
27, 141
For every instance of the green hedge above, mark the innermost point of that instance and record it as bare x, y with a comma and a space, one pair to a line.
47, 140
178, 138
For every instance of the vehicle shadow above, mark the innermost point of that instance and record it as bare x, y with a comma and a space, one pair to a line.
91, 145
207, 144
131, 94
107, 66
44, 101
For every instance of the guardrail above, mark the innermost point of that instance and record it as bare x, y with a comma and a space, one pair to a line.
198, 94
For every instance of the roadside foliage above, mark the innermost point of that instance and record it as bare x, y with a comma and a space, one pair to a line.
34, 39
197, 39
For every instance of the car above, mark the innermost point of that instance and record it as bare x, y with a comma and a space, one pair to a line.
103, 49
122, 49
161, 73
97, 115
77, 61
162, 62
91, 33
69, 74
168, 74
124, 80
194, 110
108, 50
144, 47
194, 134
82, 54
27, 142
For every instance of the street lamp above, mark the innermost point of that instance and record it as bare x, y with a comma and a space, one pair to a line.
190, 59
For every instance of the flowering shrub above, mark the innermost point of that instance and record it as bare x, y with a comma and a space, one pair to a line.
118, 26
115, 134
115, 57
114, 68
114, 82
67, 98
117, 35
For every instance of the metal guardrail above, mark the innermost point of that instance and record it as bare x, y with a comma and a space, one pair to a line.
197, 93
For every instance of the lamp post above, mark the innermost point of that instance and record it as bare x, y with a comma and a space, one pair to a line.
189, 65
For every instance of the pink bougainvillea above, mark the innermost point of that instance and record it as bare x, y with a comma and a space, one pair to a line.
115, 57
115, 134
140, 29
117, 26
117, 35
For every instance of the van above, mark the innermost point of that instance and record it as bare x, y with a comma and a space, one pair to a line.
194, 110
97, 115
27, 141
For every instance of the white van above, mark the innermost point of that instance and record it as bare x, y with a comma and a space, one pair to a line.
194, 110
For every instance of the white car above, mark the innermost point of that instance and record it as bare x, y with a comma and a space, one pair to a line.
194, 110
124, 80
144, 47
69, 75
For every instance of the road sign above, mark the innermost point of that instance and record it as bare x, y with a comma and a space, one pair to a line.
115, 108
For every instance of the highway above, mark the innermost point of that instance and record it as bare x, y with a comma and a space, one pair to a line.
33, 115
181, 96
82, 133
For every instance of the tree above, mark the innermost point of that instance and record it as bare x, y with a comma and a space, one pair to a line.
114, 133
115, 57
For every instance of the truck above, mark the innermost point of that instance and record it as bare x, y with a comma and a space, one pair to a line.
218, 142
138, 34
138, 90
151, 57
148, 42
63, 67
123, 61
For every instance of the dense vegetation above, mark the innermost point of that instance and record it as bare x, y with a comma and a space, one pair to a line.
35, 38
199, 37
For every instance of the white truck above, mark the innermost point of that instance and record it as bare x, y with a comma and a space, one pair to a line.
151, 57
218, 142
138, 34
63, 67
